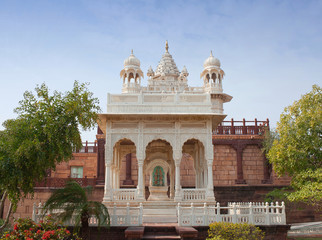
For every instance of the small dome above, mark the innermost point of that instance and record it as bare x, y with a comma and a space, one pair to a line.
211, 61
132, 61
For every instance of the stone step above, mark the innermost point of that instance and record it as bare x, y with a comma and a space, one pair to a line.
160, 219
161, 235
158, 211
160, 232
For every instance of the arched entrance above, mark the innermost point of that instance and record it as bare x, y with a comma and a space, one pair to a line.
195, 149
159, 171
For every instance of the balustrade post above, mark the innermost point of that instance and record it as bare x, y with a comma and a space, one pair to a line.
95, 147
232, 127
205, 214
251, 214
128, 217
221, 128
256, 127
218, 218
283, 214
141, 215
234, 217
244, 129
179, 214
114, 217
267, 218
193, 218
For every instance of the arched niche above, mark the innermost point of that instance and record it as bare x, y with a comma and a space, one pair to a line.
121, 166
195, 148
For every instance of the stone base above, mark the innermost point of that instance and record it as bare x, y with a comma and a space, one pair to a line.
134, 232
158, 193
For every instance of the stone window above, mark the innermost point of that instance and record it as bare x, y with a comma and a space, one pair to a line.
76, 172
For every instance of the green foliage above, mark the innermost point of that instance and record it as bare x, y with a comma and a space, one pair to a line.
44, 134
25, 228
232, 231
74, 202
7, 228
297, 149
278, 194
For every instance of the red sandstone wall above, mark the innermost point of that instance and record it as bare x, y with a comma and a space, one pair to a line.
225, 165
253, 165
134, 169
187, 172
86, 160
285, 180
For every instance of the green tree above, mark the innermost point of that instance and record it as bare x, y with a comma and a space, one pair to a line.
44, 134
74, 203
296, 148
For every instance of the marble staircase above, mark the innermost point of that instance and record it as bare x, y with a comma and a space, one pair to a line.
159, 212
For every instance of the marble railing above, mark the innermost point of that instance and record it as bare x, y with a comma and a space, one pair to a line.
258, 214
193, 215
119, 215
124, 194
126, 216
193, 194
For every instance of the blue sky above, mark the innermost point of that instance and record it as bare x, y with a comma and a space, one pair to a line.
271, 51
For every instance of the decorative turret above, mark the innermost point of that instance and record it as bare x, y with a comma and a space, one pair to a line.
150, 72
167, 77
184, 74
131, 75
167, 68
212, 75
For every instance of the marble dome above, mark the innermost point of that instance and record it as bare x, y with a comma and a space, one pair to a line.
211, 61
132, 61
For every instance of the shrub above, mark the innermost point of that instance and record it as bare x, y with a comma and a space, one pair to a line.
26, 229
232, 231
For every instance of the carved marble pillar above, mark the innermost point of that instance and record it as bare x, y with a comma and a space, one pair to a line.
140, 186
210, 182
107, 186
128, 180
177, 196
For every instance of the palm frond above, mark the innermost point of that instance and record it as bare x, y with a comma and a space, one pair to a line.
71, 202
100, 211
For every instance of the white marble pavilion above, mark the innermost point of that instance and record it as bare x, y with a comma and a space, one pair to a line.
159, 123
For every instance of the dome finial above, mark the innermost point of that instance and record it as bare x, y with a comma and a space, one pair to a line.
166, 46
132, 51
211, 53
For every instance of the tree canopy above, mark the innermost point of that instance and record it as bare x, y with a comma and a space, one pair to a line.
297, 147
44, 134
